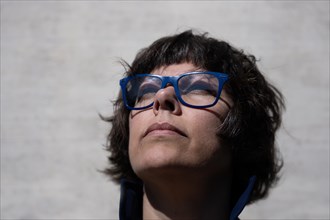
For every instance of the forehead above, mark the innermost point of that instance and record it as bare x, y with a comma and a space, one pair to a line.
175, 69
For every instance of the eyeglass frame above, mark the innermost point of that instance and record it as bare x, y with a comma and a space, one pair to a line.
173, 80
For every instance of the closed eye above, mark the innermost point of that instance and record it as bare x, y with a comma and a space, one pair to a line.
147, 90
199, 88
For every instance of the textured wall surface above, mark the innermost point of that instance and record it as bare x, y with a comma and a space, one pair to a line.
59, 70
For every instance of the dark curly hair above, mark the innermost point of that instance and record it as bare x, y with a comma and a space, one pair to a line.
250, 126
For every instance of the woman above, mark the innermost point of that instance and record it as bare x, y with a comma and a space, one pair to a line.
193, 131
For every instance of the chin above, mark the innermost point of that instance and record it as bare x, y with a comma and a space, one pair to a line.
157, 163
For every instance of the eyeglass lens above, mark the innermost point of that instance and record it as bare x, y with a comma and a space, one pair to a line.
199, 89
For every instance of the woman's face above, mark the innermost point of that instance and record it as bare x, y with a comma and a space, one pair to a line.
171, 137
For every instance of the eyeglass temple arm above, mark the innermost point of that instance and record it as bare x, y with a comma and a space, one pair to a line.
228, 105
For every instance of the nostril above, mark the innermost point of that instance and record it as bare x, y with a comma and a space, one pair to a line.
165, 99
170, 105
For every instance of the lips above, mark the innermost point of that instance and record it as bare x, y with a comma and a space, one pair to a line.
164, 127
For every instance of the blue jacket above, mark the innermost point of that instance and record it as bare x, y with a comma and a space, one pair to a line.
131, 195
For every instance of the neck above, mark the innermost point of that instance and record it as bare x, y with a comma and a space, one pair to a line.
192, 197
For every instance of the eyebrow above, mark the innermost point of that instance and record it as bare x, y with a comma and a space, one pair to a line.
197, 69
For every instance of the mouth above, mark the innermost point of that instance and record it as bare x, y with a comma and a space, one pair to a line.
163, 129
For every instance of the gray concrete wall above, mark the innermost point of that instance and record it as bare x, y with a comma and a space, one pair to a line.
59, 70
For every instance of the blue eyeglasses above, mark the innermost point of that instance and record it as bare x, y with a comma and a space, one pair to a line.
193, 89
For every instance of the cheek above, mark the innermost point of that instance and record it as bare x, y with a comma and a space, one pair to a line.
205, 125
206, 142
133, 138
137, 124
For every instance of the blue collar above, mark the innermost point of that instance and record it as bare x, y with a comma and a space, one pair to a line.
132, 193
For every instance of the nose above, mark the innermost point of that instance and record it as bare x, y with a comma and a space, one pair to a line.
166, 100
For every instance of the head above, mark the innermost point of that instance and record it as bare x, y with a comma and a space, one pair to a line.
238, 132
